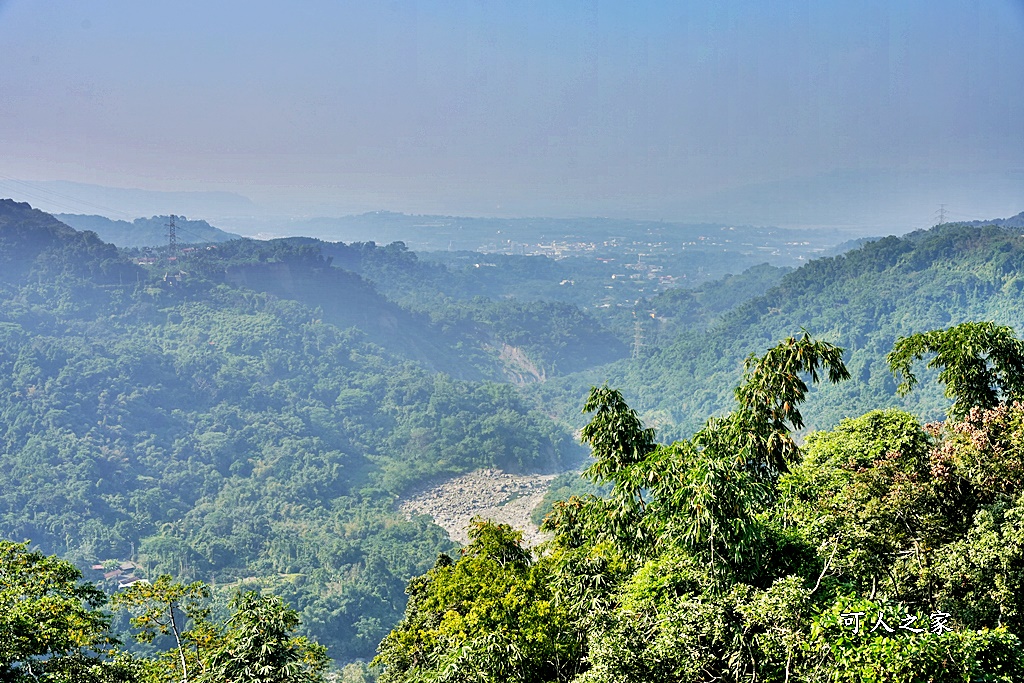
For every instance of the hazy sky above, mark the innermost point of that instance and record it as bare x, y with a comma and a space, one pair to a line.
504, 106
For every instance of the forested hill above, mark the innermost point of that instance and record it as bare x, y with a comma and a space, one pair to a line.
863, 301
146, 232
215, 432
229, 416
35, 242
1011, 222
420, 311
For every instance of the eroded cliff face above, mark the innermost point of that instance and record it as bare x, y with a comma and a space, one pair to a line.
517, 366
492, 494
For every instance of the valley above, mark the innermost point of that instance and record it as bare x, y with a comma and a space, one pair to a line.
324, 419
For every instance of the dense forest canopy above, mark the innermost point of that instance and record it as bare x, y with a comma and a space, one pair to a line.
864, 300
249, 414
215, 432
883, 550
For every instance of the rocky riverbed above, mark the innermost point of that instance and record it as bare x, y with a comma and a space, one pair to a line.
492, 494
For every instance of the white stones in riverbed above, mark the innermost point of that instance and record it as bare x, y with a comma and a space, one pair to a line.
492, 494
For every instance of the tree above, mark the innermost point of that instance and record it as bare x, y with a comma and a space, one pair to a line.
706, 490
737, 556
616, 436
164, 607
619, 444
259, 645
980, 362
769, 397
489, 617
51, 627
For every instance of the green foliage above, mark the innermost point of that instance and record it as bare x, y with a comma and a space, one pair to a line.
617, 438
981, 363
985, 452
706, 492
490, 616
162, 607
769, 398
864, 495
259, 646
863, 300
951, 657
230, 425
737, 556
563, 487
255, 644
51, 627
420, 310
209, 431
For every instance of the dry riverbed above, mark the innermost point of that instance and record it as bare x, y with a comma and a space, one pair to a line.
492, 494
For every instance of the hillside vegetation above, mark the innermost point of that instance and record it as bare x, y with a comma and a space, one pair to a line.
883, 550
216, 432
862, 300
252, 414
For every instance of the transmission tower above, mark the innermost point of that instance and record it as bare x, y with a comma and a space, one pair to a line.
941, 213
638, 336
172, 240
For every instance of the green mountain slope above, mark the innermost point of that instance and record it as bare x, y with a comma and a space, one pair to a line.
421, 311
213, 431
883, 550
862, 300
254, 412
35, 242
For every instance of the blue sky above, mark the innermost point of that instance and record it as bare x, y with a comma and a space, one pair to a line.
507, 107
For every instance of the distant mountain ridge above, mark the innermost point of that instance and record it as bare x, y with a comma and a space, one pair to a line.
146, 232
72, 197
31, 240
1011, 222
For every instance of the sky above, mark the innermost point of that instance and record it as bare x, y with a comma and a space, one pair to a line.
670, 110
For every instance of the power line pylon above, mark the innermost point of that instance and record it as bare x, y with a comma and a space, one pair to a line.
941, 213
638, 335
172, 240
